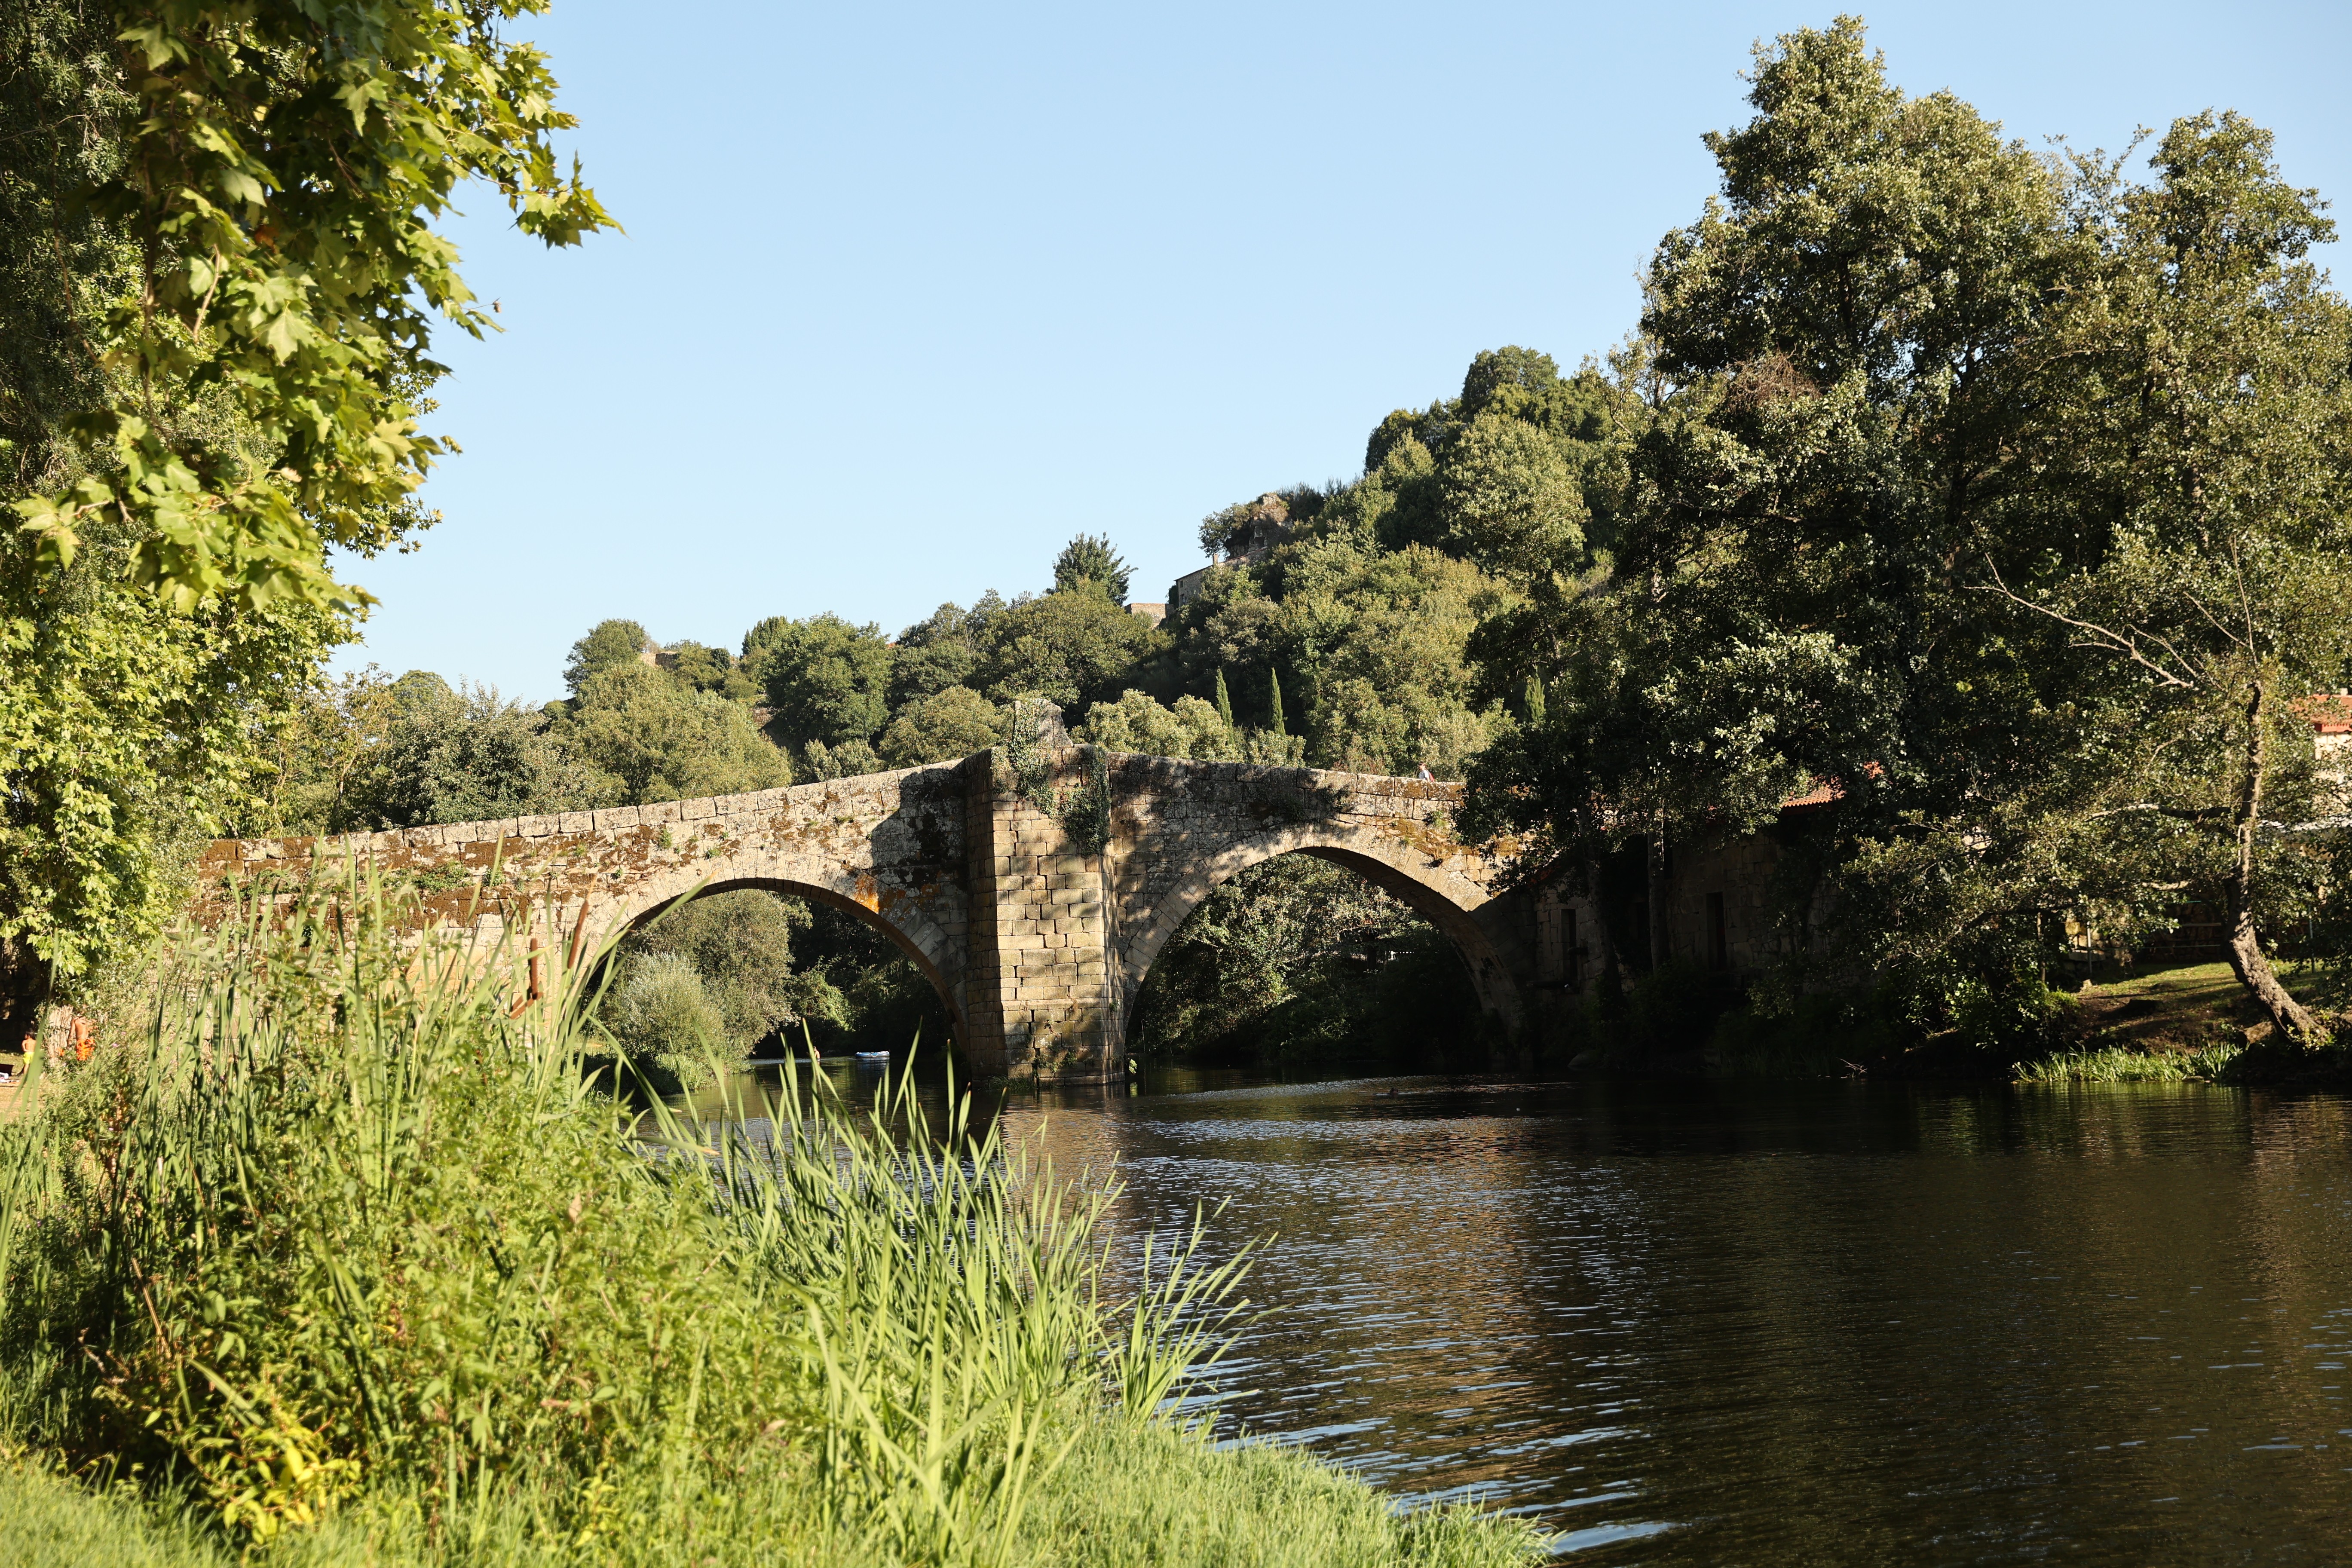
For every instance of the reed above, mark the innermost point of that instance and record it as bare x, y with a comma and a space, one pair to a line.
2122, 1063
344, 1260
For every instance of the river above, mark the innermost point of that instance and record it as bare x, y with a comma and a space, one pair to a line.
1818, 1323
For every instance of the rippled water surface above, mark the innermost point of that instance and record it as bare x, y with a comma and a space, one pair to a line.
1789, 1323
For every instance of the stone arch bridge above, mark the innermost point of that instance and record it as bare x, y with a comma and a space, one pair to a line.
1035, 901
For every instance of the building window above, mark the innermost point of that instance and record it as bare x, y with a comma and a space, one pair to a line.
1719, 945
1573, 970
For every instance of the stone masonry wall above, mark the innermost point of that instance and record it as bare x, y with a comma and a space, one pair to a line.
1571, 940
891, 845
1036, 939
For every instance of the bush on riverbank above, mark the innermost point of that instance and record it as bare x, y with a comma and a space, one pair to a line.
344, 1262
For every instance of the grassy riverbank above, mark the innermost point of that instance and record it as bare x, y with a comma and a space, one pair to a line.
343, 1262
2183, 1022
2145, 1024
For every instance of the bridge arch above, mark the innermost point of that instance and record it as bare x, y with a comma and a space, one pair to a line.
1395, 865
915, 935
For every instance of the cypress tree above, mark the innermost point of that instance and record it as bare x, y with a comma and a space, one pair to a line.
1224, 703
1534, 703
1274, 686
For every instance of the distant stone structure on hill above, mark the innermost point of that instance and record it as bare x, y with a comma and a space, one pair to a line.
1265, 523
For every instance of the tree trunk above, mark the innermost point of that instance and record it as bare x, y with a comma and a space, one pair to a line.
2289, 1016
1661, 925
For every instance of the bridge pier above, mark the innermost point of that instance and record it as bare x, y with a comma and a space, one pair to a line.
1040, 998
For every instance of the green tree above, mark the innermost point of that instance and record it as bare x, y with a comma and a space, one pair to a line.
1300, 959
711, 669
1369, 641
933, 655
282, 225
1941, 438
319, 756
2211, 431
1136, 723
665, 1022
827, 680
128, 735
940, 728
847, 760
1088, 565
608, 643
1511, 503
1514, 474
1068, 648
1383, 637
469, 755
1236, 628
1224, 532
212, 356
1843, 355
659, 740
707, 982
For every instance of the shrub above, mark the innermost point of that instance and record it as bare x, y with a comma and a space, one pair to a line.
665, 1022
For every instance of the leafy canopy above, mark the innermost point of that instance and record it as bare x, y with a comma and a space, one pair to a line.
658, 739
608, 643
282, 165
1907, 397
941, 727
1068, 646
827, 680
216, 276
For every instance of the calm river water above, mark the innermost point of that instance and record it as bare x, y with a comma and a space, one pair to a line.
1786, 1323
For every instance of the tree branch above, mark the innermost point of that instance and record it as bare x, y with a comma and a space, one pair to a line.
2107, 638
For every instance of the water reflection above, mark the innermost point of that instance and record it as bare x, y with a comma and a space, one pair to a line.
1795, 1324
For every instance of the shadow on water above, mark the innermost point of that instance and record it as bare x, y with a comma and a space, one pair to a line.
1789, 1323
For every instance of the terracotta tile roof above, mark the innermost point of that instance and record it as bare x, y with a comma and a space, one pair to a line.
2329, 715
1827, 790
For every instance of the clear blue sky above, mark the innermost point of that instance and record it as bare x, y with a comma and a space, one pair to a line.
911, 294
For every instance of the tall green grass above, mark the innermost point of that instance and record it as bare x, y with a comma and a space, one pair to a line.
343, 1260
2121, 1064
